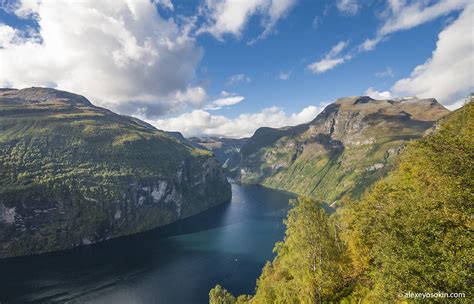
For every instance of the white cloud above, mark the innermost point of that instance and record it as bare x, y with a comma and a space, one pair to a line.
385, 73
121, 54
195, 96
457, 104
403, 17
325, 65
165, 3
317, 21
284, 76
448, 75
337, 49
226, 100
377, 94
400, 15
202, 123
231, 16
369, 44
237, 78
349, 7
330, 60
7, 34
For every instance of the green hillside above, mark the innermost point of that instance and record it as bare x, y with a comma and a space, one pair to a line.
347, 147
72, 173
408, 239
226, 151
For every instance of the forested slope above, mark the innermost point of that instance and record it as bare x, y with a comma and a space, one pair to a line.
72, 173
412, 232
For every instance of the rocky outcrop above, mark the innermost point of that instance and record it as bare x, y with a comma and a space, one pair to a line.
348, 146
225, 150
44, 221
84, 174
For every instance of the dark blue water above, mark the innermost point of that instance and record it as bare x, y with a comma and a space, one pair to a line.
178, 263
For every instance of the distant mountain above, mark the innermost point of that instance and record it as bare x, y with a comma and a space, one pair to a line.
226, 151
343, 150
73, 174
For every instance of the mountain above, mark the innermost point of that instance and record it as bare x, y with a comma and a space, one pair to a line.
72, 174
409, 233
347, 147
226, 151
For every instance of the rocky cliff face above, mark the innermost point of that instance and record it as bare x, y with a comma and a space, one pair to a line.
73, 174
226, 151
342, 151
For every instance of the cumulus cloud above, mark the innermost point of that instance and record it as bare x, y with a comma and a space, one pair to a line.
231, 16
121, 54
371, 92
448, 75
330, 60
195, 96
165, 3
348, 7
458, 103
400, 15
203, 123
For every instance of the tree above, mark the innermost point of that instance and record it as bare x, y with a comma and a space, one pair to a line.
413, 231
307, 268
219, 295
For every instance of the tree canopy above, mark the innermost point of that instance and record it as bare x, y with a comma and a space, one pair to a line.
412, 232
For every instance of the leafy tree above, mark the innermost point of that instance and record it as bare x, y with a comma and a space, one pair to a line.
308, 267
413, 231
219, 295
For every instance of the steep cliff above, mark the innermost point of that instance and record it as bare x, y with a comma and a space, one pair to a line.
343, 150
73, 174
226, 151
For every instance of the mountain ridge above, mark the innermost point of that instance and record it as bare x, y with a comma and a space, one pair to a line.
348, 146
73, 174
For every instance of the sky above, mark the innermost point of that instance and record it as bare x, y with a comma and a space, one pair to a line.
228, 67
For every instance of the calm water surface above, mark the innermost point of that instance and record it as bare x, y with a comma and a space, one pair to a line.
178, 263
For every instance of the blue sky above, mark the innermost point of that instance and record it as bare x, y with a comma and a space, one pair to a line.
297, 43
228, 67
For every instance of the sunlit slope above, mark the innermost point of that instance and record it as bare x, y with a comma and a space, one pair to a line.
344, 149
72, 173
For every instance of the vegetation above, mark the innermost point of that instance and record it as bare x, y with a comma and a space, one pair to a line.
308, 267
55, 140
73, 173
225, 150
411, 232
344, 150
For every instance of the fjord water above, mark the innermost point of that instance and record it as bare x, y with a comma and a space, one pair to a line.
179, 263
